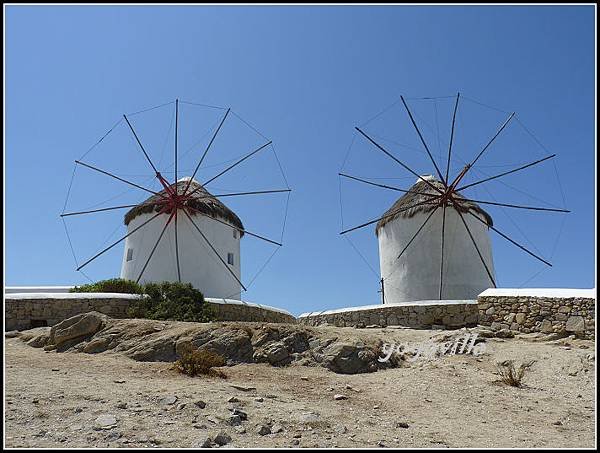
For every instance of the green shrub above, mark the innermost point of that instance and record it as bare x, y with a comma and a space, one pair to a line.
113, 285
194, 362
171, 301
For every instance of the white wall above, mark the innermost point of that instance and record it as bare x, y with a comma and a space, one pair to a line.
198, 263
416, 275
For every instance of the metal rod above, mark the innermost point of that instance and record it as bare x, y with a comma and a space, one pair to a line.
155, 246
386, 216
532, 208
206, 150
512, 241
423, 141
176, 126
99, 210
442, 259
451, 139
234, 227
214, 250
457, 209
492, 139
507, 172
177, 248
116, 177
386, 186
115, 243
402, 164
257, 192
417, 233
237, 163
141, 146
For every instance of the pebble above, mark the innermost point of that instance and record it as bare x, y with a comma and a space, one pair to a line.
121, 406
242, 388
339, 397
263, 430
276, 428
205, 443
402, 425
295, 442
233, 399
168, 400
222, 438
259, 399
181, 406
105, 421
240, 413
304, 378
234, 420
201, 404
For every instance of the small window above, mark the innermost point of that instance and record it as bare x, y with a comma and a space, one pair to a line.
230, 258
235, 234
129, 254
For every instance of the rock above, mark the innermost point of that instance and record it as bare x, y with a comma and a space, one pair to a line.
339, 397
309, 417
11, 334
341, 429
168, 400
77, 327
240, 413
295, 442
242, 388
263, 430
121, 405
575, 324
205, 443
105, 421
520, 318
233, 399
546, 326
304, 378
557, 423
402, 425
348, 358
234, 345
97, 345
234, 420
259, 399
505, 333
276, 428
201, 404
181, 406
240, 429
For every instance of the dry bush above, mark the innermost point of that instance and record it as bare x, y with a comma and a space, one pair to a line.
200, 361
509, 374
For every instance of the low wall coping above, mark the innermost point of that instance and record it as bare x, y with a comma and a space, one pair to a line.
32, 296
36, 289
215, 300
540, 292
415, 303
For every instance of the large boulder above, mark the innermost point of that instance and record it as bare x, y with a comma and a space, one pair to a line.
347, 358
77, 327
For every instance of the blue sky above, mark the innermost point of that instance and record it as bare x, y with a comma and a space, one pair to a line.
303, 76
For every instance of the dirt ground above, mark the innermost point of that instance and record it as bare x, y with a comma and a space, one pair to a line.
55, 399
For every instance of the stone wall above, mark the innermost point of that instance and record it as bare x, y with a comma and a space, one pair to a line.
235, 310
423, 314
27, 310
528, 311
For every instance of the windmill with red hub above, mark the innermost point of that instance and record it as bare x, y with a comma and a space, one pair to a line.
182, 232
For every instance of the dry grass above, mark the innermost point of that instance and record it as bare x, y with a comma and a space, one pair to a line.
510, 375
200, 361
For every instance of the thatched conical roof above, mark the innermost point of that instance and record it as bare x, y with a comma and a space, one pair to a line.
411, 198
202, 201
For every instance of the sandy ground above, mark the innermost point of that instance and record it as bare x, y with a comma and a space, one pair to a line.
54, 399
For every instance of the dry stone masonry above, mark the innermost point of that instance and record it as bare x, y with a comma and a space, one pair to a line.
424, 314
28, 310
563, 312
